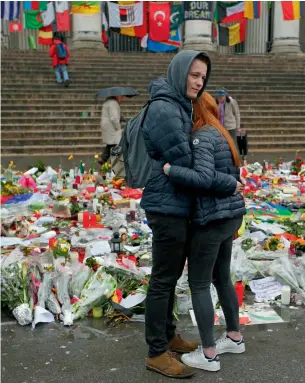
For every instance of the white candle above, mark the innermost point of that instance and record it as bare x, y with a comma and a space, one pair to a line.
286, 292
80, 217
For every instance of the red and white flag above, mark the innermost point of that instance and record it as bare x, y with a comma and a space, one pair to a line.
62, 16
15, 26
159, 21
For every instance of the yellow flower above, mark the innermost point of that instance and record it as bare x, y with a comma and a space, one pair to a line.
280, 246
70, 157
298, 150
96, 156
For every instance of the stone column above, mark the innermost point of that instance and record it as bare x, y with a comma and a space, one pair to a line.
87, 29
198, 32
257, 32
286, 33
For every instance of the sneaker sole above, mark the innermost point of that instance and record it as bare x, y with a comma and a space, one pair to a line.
231, 351
203, 367
184, 376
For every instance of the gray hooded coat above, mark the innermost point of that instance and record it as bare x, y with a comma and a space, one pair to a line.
166, 131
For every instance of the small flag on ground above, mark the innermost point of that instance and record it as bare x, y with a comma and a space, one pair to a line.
291, 10
252, 9
15, 26
10, 10
45, 36
234, 34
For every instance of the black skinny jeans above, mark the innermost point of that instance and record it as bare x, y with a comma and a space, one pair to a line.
209, 259
169, 243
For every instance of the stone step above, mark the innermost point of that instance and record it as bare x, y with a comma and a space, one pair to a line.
131, 110
144, 73
61, 140
49, 134
42, 138
287, 136
277, 145
46, 104
93, 124
155, 59
96, 119
55, 89
55, 149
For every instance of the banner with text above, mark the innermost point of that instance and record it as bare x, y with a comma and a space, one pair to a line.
198, 10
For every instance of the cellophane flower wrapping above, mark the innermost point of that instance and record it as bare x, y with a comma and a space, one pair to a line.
284, 270
80, 275
45, 288
101, 286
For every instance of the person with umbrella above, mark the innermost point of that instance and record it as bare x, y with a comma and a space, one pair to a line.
111, 117
229, 115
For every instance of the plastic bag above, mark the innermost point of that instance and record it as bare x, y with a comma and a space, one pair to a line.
23, 314
62, 284
15, 256
283, 270
298, 267
52, 304
241, 267
100, 285
80, 275
45, 289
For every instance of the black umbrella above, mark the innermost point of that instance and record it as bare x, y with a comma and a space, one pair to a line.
117, 91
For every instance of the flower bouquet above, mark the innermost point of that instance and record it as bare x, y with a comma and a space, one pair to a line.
100, 287
15, 291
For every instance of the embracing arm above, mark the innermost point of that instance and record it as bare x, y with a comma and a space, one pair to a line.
203, 175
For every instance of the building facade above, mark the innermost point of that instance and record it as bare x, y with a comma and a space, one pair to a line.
269, 34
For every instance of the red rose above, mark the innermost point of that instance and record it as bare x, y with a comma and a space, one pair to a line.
135, 236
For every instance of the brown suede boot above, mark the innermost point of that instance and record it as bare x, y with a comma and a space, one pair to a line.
177, 344
167, 364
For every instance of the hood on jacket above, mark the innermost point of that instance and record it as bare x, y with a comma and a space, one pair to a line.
178, 70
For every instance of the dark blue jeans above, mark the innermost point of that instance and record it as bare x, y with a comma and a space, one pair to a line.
209, 260
169, 243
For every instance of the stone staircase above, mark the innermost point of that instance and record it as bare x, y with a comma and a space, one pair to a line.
41, 118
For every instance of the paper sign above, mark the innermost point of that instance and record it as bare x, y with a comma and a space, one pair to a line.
266, 288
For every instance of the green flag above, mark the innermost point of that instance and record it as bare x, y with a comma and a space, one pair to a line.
33, 20
32, 43
177, 16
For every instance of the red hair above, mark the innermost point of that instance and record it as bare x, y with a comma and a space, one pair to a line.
206, 114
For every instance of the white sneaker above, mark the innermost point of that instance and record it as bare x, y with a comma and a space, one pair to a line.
227, 345
197, 359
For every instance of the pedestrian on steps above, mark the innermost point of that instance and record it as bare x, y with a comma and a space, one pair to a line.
229, 115
111, 125
60, 54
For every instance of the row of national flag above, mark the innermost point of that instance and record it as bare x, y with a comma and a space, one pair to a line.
156, 24
227, 12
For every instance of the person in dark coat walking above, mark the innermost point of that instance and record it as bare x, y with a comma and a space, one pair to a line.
217, 215
60, 54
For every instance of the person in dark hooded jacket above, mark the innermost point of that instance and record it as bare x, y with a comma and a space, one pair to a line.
166, 131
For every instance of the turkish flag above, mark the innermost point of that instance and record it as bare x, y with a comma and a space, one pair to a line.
14, 26
159, 21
